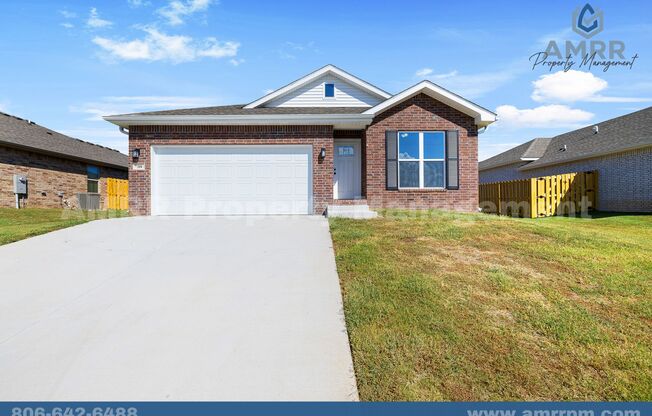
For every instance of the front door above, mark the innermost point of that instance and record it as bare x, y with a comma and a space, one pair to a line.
347, 176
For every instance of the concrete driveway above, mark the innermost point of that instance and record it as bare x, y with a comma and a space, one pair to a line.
170, 308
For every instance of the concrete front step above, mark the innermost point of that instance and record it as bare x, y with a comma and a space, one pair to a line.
351, 211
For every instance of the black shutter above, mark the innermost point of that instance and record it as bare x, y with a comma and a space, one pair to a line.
391, 159
452, 160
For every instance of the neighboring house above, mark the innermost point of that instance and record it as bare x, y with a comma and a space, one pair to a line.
327, 139
506, 166
57, 167
620, 150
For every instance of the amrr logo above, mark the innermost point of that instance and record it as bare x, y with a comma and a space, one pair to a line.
588, 21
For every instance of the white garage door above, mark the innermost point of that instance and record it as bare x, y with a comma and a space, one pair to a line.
231, 180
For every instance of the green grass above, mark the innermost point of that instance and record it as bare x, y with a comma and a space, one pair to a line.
446, 306
17, 224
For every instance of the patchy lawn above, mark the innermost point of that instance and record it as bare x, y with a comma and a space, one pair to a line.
448, 306
17, 224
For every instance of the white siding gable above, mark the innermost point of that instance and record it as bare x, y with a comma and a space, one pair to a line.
312, 95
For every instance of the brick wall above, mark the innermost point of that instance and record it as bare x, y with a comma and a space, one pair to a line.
423, 113
142, 137
624, 179
47, 175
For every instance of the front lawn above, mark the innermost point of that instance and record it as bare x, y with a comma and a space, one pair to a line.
17, 224
444, 306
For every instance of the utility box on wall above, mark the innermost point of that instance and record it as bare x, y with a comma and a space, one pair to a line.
20, 184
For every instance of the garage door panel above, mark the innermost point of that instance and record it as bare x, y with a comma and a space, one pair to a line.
226, 180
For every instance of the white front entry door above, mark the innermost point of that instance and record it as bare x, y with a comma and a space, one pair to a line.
231, 180
347, 182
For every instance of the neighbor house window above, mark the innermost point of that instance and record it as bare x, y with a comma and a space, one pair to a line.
421, 159
93, 179
329, 90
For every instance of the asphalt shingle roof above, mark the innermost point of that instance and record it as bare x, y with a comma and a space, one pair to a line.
240, 110
15, 131
622, 133
532, 149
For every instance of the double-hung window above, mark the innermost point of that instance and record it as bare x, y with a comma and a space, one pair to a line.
421, 159
93, 179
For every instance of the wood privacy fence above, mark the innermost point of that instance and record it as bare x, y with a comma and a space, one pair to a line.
565, 194
117, 193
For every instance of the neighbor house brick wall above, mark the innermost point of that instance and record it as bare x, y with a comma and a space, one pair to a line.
423, 113
624, 179
143, 137
47, 175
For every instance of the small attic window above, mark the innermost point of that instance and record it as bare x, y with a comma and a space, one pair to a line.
329, 90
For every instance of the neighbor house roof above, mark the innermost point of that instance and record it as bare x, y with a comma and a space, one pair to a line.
353, 117
19, 133
628, 132
527, 151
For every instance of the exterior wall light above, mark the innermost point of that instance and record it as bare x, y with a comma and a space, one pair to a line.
135, 153
322, 153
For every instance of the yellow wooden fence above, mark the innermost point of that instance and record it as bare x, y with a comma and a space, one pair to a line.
565, 194
117, 193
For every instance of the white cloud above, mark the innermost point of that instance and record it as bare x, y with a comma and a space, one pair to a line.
477, 85
95, 21
567, 86
67, 14
572, 86
133, 104
138, 3
157, 46
236, 62
429, 73
290, 50
445, 75
67, 25
177, 10
545, 116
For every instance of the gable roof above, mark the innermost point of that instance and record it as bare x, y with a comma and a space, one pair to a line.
350, 117
628, 132
326, 70
528, 151
483, 117
19, 133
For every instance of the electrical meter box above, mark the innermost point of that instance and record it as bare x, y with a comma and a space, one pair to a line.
20, 184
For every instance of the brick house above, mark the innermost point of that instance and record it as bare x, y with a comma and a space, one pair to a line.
620, 150
57, 167
326, 143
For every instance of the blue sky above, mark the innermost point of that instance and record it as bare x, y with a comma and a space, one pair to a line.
66, 63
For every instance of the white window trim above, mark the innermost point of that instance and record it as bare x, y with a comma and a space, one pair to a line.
324, 92
420, 160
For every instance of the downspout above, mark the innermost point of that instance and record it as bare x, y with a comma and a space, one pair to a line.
124, 130
480, 131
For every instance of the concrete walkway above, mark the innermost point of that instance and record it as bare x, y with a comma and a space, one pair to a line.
170, 308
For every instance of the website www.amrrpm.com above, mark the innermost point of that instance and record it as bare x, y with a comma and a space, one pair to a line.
556, 412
